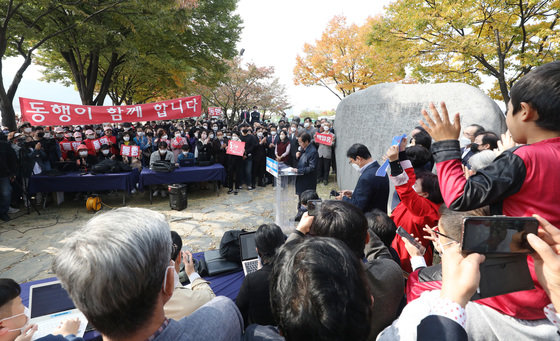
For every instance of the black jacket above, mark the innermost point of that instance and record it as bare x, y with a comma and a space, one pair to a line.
8, 160
253, 299
250, 144
307, 167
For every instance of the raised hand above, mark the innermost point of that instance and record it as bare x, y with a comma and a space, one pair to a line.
440, 128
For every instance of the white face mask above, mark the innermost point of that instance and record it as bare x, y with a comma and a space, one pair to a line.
126, 138
327, 128
126, 129
164, 137
196, 135
215, 128
260, 135
163, 151
235, 138
90, 137
205, 126
211, 136
27, 130
27, 315
83, 154
293, 129
105, 152
177, 134
463, 141
140, 133
356, 167
78, 139
203, 136
47, 135
185, 153
306, 124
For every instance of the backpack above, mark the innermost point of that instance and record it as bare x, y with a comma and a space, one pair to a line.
110, 166
229, 246
162, 166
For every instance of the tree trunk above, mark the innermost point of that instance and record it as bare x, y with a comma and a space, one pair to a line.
8, 113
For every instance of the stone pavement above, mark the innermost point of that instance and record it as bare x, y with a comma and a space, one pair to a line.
28, 242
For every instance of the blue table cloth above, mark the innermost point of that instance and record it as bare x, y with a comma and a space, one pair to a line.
75, 182
215, 172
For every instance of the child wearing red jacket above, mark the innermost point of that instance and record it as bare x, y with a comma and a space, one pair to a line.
420, 200
521, 181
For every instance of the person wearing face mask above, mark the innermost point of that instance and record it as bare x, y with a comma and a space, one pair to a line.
105, 153
90, 136
294, 144
255, 116
259, 159
282, 149
162, 154
112, 139
219, 146
308, 126
185, 157
177, 143
420, 201
84, 160
26, 129
148, 147
371, 191
250, 145
325, 156
62, 140
204, 153
14, 318
234, 168
466, 139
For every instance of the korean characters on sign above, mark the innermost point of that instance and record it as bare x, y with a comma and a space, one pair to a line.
326, 139
235, 148
38, 112
214, 112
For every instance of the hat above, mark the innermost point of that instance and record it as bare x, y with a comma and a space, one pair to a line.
69, 134
89, 132
77, 134
107, 128
82, 147
58, 130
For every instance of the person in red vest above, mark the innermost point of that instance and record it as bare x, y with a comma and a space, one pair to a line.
62, 141
113, 147
90, 136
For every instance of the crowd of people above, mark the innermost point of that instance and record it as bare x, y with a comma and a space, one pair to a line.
346, 273
53, 150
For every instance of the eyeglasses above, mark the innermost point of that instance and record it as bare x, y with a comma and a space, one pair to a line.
443, 235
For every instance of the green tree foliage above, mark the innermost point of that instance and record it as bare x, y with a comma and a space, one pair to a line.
144, 50
453, 40
25, 26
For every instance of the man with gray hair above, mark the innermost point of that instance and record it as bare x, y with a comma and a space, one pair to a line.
117, 271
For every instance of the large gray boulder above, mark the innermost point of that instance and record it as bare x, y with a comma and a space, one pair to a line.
374, 115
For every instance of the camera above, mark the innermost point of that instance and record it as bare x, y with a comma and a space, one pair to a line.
334, 193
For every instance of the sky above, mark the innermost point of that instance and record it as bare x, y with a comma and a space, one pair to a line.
274, 33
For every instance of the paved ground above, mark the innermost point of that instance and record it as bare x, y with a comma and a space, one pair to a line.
28, 242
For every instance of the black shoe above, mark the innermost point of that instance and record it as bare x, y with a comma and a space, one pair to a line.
326, 182
234, 192
230, 191
5, 217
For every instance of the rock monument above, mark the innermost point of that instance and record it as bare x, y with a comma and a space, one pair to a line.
374, 115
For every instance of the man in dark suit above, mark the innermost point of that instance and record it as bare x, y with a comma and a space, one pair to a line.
307, 165
244, 117
371, 191
255, 116
294, 144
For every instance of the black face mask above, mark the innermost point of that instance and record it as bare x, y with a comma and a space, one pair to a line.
244, 131
474, 148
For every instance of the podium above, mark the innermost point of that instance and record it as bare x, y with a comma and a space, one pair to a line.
286, 199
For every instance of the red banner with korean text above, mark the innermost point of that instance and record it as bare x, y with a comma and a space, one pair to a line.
235, 148
38, 112
214, 112
326, 139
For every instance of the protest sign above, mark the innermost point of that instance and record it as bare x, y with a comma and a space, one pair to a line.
326, 139
214, 112
39, 112
96, 144
235, 148
66, 146
104, 140
75, 146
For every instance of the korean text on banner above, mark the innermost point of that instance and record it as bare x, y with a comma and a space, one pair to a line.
325, 139
272, 166
39, 112
235, 148
130, 150
214, 112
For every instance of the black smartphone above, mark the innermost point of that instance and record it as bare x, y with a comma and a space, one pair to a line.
500, 235
404, 234
313, 207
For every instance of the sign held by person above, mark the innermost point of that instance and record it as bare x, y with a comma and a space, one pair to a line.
130, 150
236, 148
214, 112
326, 139
39, 112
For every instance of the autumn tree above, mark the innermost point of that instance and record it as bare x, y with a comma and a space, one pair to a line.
25, 27
463, 40
343, 62
144, 50
244, 86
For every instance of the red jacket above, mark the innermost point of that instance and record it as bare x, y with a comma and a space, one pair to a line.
520, 182
412, 213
